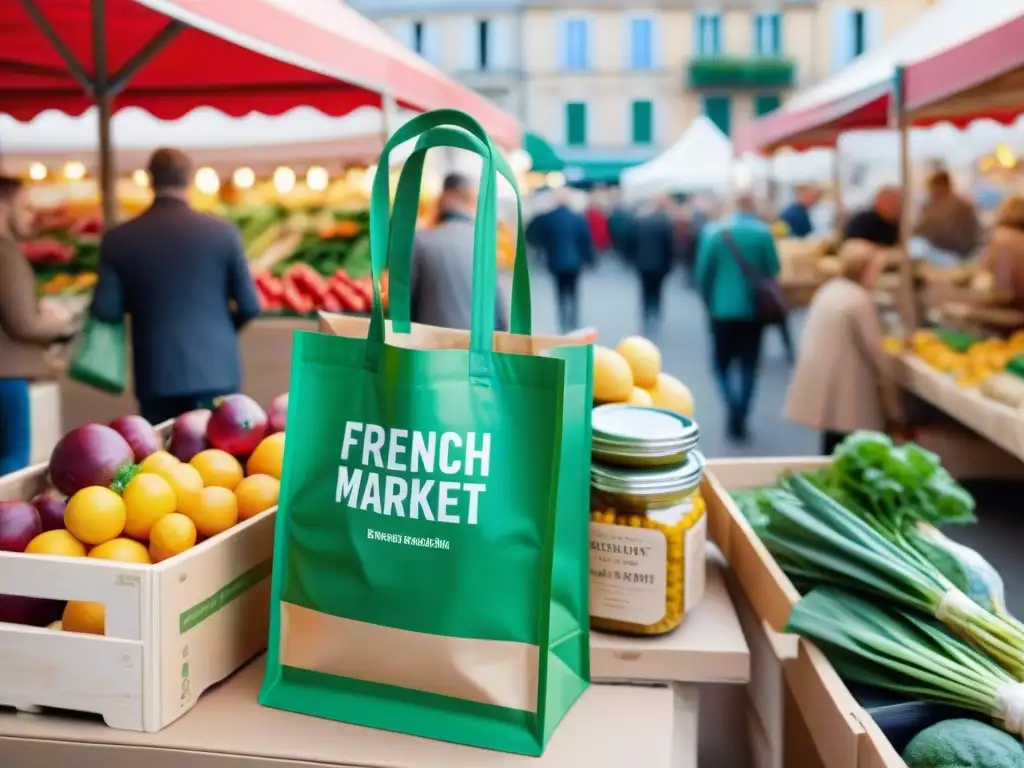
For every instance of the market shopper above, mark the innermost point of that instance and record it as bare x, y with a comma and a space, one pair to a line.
563, 236
650, 249
797, 215
843, 378
729, 297
26, 329
948, 221
183, 280
442, 264
879, 224
1003, 257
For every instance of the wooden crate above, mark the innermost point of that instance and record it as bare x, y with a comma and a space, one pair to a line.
843, 733
173, 629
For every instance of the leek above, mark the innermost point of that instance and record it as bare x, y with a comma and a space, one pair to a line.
896, 650
816, 540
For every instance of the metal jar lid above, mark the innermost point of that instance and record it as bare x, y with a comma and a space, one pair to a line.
679, 481
642, 432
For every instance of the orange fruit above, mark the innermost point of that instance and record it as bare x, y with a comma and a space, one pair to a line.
218, 468
57, 542
84, 617
95, 515
187, 484
158, 461
122, 550
218, 511
171, 535
147, 498
268, 457
255, 494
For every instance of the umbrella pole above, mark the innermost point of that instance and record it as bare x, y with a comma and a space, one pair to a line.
839, 213
907, 298
108, 174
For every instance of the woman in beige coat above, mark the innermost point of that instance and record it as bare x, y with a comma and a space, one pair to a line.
843, 361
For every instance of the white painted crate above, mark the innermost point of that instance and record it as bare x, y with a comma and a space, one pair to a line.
173, 629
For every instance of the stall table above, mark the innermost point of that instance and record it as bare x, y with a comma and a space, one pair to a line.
610, 727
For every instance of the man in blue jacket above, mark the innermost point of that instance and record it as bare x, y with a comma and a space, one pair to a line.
797, 215
563, 236
183, 280
729, 297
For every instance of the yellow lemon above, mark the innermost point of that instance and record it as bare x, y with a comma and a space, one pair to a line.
95, 515
670, 393
84, 617
56, 542
217, 511
171, 535
187, 484
156, 462
613, 378
640, 397
644, 359
147, 498
255, 494
268, 458
122, 550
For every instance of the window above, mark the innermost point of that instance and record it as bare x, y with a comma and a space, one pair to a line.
643, 122
641, 43
576, 124
483, 39
767, 34
858, 32
576, 44
417, 37
719, 111
709, 35
766, 103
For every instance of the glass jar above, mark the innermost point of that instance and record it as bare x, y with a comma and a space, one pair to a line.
641, 436
647, 536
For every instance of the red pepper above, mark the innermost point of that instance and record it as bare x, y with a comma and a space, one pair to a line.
364, 289
296, 302
273, 287
350, 302
331, 303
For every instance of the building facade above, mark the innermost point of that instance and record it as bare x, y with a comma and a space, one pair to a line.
610, 83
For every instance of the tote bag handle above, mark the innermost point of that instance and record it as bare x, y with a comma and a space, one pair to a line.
484, 241
402, 238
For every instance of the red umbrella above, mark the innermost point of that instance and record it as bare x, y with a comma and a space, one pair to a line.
238, 56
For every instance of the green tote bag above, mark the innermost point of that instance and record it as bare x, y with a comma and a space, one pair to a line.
101, 357
431, 558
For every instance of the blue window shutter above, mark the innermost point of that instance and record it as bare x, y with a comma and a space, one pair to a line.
586, 42
777, 34
716, 25
756, 34
499, 32
698, 35
719, 111
842, 38
576, 124
431, 43
563, 45
643, 122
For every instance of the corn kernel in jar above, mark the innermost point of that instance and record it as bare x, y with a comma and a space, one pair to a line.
647, 538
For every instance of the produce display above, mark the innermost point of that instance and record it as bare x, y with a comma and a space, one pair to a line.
631, 373
300, 290
961, 743
968, 358
65, 252
119, 493
890, 601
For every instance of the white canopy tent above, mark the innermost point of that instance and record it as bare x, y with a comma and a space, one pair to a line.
303, 135
700, 162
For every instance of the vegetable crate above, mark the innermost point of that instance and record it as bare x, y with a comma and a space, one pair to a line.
173, 629
843, 733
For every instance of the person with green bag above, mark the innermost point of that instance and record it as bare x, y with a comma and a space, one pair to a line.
431, 553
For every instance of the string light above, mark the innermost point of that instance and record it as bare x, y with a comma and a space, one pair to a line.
74, 171
37, 171
141, 178
244, 178
317, 178
284, 179
207, 181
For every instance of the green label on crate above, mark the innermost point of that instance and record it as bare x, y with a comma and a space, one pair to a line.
204, 609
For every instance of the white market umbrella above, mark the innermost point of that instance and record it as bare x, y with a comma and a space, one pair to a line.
700, 162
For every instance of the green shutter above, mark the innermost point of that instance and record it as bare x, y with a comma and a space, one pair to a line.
719, 111
576, 124
765, 104
643, 122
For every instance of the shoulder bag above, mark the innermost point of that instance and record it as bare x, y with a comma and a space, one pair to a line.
769, 303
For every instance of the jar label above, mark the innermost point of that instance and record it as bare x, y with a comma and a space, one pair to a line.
628, 571
696, 541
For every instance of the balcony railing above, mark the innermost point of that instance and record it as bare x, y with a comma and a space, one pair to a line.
741, 72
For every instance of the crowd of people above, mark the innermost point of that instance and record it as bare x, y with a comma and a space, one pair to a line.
183, 280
